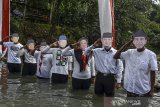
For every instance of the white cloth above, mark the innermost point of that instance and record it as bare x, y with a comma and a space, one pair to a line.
44, 64
28, 58
105, 16
12, 52
105, 63
90, 68
59, 61
138, 66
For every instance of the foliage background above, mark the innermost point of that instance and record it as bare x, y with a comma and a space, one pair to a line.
47, 19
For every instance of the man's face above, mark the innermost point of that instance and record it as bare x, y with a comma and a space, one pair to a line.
139, 42
31, 46
41, 48
83, 44
15, 39
106, 42
62, 43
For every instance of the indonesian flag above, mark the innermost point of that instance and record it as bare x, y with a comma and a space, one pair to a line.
106, 17
4, 20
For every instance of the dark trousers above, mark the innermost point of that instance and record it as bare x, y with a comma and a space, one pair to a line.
129, 94
29, 69
141, 100
81, 83
14, 68
105, 84
59, 78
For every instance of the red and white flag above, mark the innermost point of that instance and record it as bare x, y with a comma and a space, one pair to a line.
106, 17
4, 19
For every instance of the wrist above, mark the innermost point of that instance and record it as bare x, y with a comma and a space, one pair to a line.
71, 46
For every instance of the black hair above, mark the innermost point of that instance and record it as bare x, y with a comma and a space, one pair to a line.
83, 38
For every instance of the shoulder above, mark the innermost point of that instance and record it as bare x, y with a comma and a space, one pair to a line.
130, 51
19, 44
113, 50
54, 49
151, 53
98, 49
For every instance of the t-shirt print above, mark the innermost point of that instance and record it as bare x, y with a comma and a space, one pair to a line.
14, 48
61, 60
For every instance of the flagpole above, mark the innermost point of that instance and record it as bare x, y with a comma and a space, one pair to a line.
5, 19
113, 27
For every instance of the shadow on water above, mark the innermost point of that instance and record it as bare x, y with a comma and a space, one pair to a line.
32, 92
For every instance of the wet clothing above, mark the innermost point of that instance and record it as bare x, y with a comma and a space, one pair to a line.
107, 69
77, 70
59, 67
83, 68
14, 62
138, 66
14, 67
29, 69
59, 78
105, 84
12, 52
44, 64
28, 57
30, 63
81, 83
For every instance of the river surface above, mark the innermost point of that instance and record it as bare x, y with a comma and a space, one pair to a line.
32, 92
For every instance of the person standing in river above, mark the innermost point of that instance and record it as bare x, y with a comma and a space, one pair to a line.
106, 66
140, 66
59, 70
13, 62
83, 65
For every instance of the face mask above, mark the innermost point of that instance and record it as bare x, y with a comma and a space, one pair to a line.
107, 42
62, 43
15, 39
31, 46
83, 44
139, 42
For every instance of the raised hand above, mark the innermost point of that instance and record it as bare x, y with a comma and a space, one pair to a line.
55, 44
75, 45
97, 43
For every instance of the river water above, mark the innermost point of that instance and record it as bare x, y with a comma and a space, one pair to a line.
32, 92
17, 91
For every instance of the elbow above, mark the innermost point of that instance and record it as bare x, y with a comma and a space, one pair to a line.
115, 57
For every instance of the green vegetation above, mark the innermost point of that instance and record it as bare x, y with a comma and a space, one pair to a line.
76, 18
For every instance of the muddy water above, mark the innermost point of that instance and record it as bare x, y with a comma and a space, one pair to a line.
17, 91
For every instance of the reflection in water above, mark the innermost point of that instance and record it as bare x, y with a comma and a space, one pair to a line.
4, 79
20, 91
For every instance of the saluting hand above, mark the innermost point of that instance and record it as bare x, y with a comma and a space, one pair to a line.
75, 45
97, 43
55, 44
128, 43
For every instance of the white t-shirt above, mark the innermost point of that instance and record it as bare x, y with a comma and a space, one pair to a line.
90, 67
12, 52
44, 64
28, 58
59, 61
138, 66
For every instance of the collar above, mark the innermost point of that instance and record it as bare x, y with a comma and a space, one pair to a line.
15, 43
111, 50
141, 50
